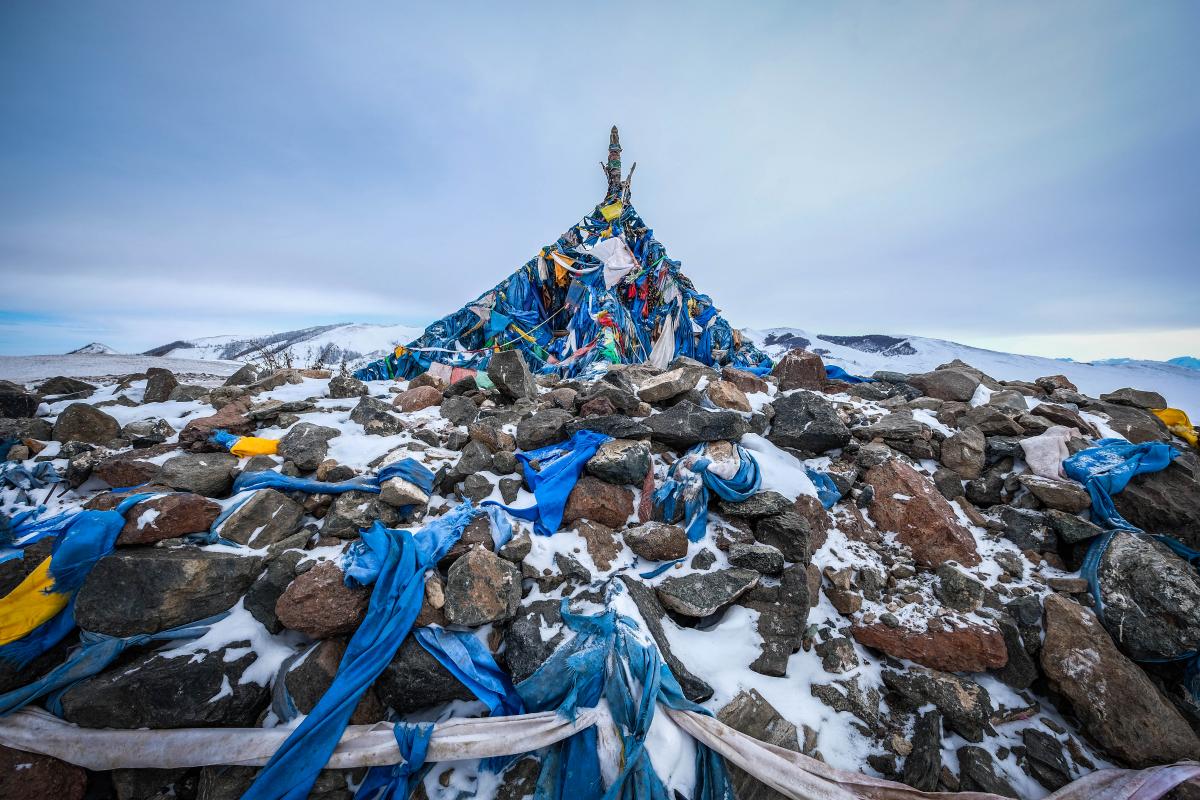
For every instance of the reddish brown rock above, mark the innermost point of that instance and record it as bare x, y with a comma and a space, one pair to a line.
197, 434
951, 648
907, 503
168, 517
319, 604
1119, 706
122, 472
601, 543
417, 398
30, 776
800, 369
657, 541
725, 394
597, 407
819, 522
600, 502
748, 382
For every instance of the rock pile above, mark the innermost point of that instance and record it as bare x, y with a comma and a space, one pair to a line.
938, 597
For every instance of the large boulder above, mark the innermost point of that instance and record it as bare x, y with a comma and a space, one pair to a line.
726, 394
80, 422
414, 680
907, 503
664, 386
966, 706
1135, 424
1119, 706
617, 426
319, 604
621, 462
17, 403
159, 385
953, 647
1136, 398
266, 517
800, 369
61, 385
306, 445
598, 501
685, 424
509, 372
947, 384
481, 587
702, 594
157, 691
150, 589
417, 398
807, 422
209, 474
168, 517
1060, 495
1151, 599
1167, 501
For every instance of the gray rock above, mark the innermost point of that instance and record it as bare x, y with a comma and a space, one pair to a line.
345, 387
621, 461
306, 445
147, 432
789, 532
1135, 398
759, 505
525, 646
958, 590
657, 541
509, 372
476, 488
80, 422
685, 424
1068, 496
901, 432
1021, 670
1151, 599
1044, 759
150, 589
245, 375
669, 384
186, 393
481, 587
414, 680
653, 614
25, 428
992, 421
946, 384
702, 594
377, 418
618, 393
312, 673
807, 422
151, 691
399, 493
964, 452
16, 402
1135, 424
355, 511
949, 483
923, 766
837, 654
264, 593
543, 428
617, 426
1028, 529
266, 517
977, 773
1072, 529
209, 474
509, 488
751, 714
782, 613
1167, 501
159, 385
759, 557
966, 705
61, 385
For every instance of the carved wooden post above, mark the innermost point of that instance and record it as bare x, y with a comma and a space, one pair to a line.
612, 169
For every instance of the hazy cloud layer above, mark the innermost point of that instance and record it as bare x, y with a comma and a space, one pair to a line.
1010, 175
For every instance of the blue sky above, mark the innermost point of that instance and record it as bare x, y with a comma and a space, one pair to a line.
1022, 176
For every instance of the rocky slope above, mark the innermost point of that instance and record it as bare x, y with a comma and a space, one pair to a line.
931, 626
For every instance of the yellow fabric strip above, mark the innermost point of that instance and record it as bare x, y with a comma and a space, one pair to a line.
1178, 423
254, 446
30, 604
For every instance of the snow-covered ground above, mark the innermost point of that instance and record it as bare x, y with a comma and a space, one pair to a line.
357, 342
1179, 385
98, 366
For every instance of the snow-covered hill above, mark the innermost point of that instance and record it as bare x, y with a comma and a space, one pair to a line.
95, 348
863, 355
324, 345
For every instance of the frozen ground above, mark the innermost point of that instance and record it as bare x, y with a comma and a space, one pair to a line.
98, 366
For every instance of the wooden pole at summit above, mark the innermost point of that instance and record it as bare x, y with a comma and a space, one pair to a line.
612, 169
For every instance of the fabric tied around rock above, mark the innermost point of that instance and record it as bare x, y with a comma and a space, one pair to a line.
38, 612
557, 470
1107, 468
610, 659
408, 469
397, 782
827, 491
394, 563
684, 494
835, 373
469, 660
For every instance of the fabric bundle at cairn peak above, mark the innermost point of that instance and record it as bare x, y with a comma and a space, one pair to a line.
604, 293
